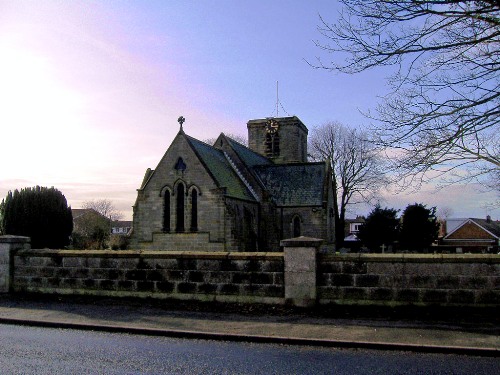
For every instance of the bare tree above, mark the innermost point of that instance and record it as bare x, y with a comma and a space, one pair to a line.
444, 213
357, 173
441, 117
104, 207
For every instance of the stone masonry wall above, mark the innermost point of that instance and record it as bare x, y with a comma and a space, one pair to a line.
409, 279
275, 278
233, 277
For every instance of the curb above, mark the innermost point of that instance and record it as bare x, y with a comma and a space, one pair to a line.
438, 349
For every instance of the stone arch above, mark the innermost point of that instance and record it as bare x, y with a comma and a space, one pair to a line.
176, 185
165, 189
193, 186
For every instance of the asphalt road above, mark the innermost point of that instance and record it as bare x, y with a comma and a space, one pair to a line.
29, 350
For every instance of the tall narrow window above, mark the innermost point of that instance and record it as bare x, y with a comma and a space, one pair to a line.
180, 208
166, 212
296, 226
194, 210
272, 145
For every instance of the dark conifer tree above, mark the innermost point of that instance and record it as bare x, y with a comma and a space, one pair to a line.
419, 227
40, 213
380, 228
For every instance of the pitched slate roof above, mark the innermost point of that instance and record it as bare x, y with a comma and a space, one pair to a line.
247, 156
298, 184
220, 169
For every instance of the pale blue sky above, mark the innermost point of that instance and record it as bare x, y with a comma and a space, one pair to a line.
90, 92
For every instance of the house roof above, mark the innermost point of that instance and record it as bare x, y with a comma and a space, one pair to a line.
122, 224
358, 219
220, 169
79, 212
351, 238
298, 184
492, 227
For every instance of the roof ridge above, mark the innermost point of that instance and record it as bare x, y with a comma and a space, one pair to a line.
240, 175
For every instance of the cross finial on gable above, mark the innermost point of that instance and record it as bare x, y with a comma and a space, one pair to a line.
181, 120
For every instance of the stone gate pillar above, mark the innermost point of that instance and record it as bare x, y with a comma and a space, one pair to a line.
300, 270
8, 244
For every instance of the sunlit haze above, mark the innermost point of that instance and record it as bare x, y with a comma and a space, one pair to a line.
90, 92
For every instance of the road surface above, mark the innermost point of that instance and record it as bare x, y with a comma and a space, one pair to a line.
30, 350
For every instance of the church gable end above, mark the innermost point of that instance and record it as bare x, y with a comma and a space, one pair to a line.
179, 196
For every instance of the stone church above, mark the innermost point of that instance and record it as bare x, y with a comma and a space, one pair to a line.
229, 197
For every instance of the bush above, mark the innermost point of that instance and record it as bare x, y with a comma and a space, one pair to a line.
118, 242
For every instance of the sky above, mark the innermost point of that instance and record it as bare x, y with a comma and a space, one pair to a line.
90, 91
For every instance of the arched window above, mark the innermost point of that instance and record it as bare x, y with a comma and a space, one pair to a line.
194, 210
166, 212
180, 208
272, 145
296, 226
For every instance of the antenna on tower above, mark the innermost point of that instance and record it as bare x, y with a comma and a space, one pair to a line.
277, 99
278, 103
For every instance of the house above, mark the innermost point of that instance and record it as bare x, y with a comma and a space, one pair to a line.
472, 235
229, 197
121, 227
351, 230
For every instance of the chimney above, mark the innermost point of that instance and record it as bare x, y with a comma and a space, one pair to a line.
488, 219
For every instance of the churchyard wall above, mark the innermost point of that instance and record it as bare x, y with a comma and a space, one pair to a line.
234, 277
299, 275
401, 279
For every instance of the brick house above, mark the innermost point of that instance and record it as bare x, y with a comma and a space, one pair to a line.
473, 235
229, 197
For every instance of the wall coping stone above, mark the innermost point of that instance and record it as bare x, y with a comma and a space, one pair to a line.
151, 254
412, 258
9, 238
301, 242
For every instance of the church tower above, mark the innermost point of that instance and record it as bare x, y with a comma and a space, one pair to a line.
281, 139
